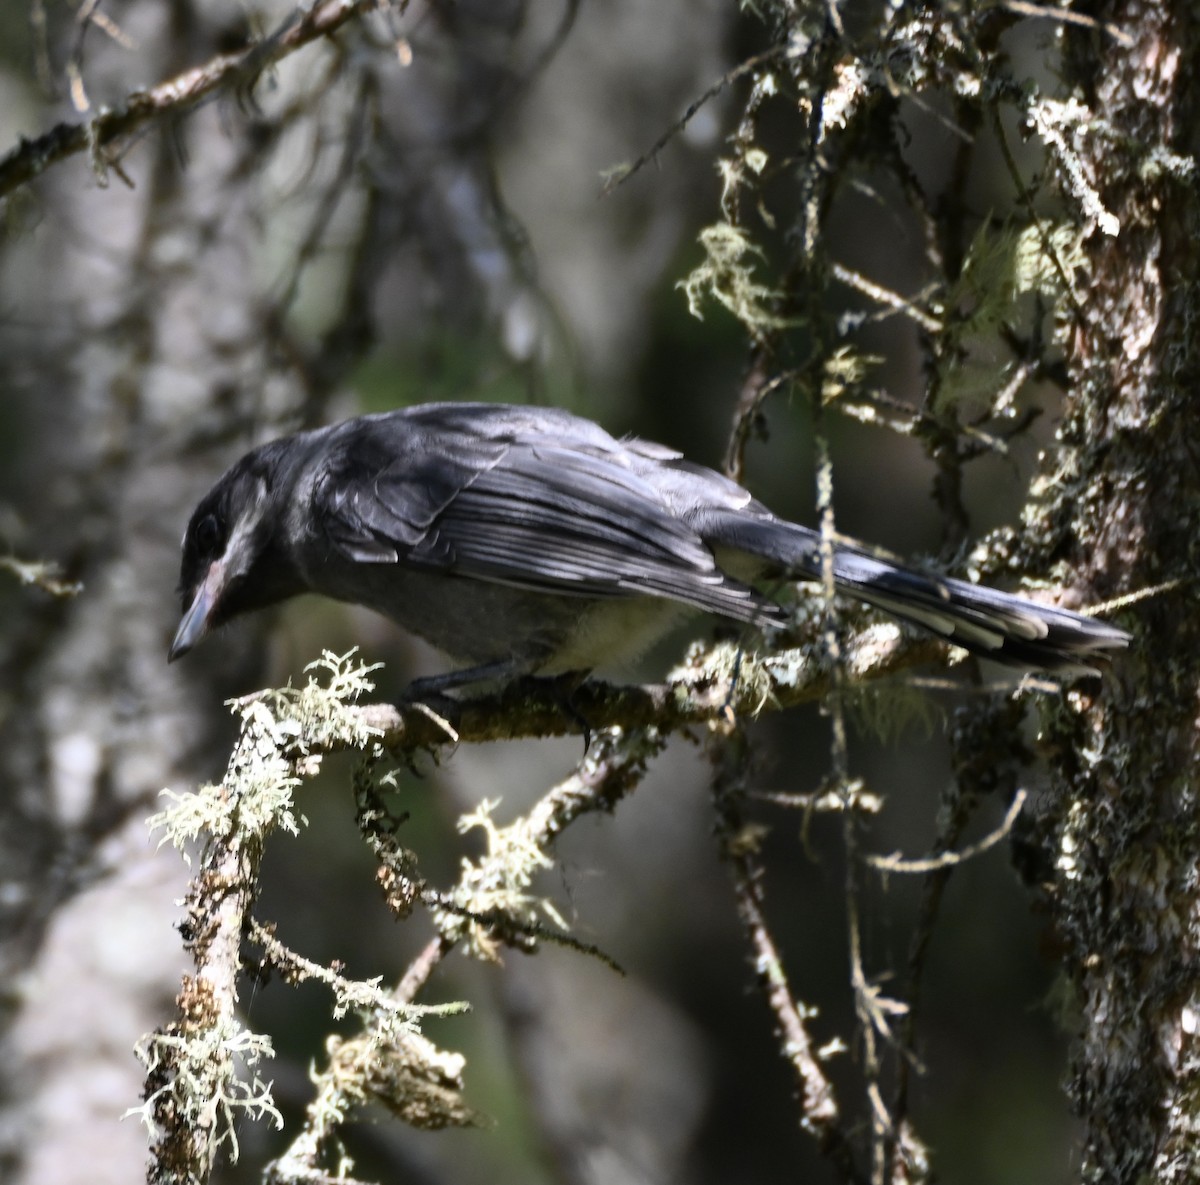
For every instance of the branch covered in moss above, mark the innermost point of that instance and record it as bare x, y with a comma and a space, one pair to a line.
194, 1088
196, 1082
712, 684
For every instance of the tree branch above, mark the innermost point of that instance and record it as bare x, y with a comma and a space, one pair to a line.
30, 158
726, 684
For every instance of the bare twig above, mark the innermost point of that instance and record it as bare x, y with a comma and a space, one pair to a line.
619, 175
1026, 199
867, 1002
885, 296
350, 993
98, 135
896, 863
1067, 16
819, 1111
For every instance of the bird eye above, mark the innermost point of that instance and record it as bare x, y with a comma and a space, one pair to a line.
207, 534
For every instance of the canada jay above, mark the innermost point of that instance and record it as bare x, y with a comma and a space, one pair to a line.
522, 540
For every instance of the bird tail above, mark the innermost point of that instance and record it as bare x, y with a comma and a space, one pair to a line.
983, 620
988, 622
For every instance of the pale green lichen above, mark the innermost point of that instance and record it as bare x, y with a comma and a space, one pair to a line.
732, 667
43, 574
890, 709
843, 372
207, 1085
280, 730
1004, 265
1062, 124
495, 886
200, 1070
727, 273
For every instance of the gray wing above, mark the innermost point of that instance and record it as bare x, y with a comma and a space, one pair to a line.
535, 499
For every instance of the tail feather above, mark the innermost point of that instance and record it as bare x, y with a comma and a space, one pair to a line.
983, 620
980, 619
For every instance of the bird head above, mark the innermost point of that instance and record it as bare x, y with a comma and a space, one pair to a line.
235, 551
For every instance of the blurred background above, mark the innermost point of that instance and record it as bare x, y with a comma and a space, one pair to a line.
415, 209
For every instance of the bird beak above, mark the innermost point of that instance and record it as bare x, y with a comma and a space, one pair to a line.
195, 621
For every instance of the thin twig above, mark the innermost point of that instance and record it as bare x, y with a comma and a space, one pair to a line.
364, 994
30, 158
622, 173
885, 296
866, 1001
1068, 17
896, 863
819, 1111
1026, 200
422, 967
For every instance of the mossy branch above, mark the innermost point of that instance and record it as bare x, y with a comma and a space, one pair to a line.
194, 1088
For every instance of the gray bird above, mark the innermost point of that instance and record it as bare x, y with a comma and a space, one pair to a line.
523, 540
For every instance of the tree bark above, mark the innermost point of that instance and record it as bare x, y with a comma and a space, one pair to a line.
1122, 507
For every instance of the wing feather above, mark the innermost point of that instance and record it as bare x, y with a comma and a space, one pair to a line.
482, 497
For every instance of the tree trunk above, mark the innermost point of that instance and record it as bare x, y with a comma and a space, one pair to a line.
1122, 507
